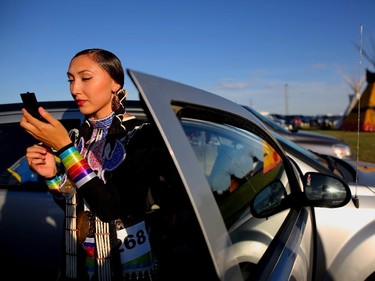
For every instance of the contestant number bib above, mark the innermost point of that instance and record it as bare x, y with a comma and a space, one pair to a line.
135, 242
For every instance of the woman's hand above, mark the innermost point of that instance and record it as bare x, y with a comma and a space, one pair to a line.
51, 133
41, 160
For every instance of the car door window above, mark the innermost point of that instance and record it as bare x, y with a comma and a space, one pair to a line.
238, 164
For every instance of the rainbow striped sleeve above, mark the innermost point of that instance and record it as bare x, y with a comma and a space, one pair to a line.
78, 169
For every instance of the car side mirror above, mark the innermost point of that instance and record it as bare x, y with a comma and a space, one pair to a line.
269, 201
323, 190
320, 190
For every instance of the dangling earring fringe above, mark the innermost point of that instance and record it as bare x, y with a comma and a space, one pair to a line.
115, 101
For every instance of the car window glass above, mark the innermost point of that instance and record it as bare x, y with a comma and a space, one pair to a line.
14, 170
268, 121
238, 164
11, 150
322, 163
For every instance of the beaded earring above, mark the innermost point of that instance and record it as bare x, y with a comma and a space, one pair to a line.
116, 101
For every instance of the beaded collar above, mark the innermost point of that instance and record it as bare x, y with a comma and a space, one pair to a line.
104, 123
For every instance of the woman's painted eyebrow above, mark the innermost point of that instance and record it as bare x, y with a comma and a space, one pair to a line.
70, 74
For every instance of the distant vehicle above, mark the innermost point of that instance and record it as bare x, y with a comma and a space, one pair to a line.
319, 143
291, 122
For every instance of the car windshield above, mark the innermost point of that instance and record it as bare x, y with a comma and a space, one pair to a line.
293, 146
267, 121
322, 163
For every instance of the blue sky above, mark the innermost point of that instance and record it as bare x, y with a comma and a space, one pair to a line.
245, 51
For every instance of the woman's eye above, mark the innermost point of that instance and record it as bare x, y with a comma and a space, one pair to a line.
86, 78
70, 81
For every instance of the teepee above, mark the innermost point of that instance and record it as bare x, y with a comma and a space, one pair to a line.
366, 120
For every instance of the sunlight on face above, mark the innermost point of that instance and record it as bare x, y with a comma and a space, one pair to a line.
91, 87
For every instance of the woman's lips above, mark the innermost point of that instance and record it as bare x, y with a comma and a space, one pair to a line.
80, 102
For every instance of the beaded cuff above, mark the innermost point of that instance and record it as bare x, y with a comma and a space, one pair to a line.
54, 184
78, 169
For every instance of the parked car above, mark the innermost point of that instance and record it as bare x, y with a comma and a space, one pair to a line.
320, 143
31, 224
239, 208
291, 122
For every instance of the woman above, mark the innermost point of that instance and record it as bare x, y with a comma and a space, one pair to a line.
100, 180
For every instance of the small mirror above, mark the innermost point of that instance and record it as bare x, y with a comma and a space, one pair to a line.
323, 190
269, 200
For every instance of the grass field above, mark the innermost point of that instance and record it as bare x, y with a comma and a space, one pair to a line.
366, 142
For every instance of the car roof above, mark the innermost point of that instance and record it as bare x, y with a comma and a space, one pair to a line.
10, 113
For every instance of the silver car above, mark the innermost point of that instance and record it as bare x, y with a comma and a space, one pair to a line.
345, 236
237, 208
319, 143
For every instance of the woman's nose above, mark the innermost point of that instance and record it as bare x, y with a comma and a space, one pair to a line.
74, 88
